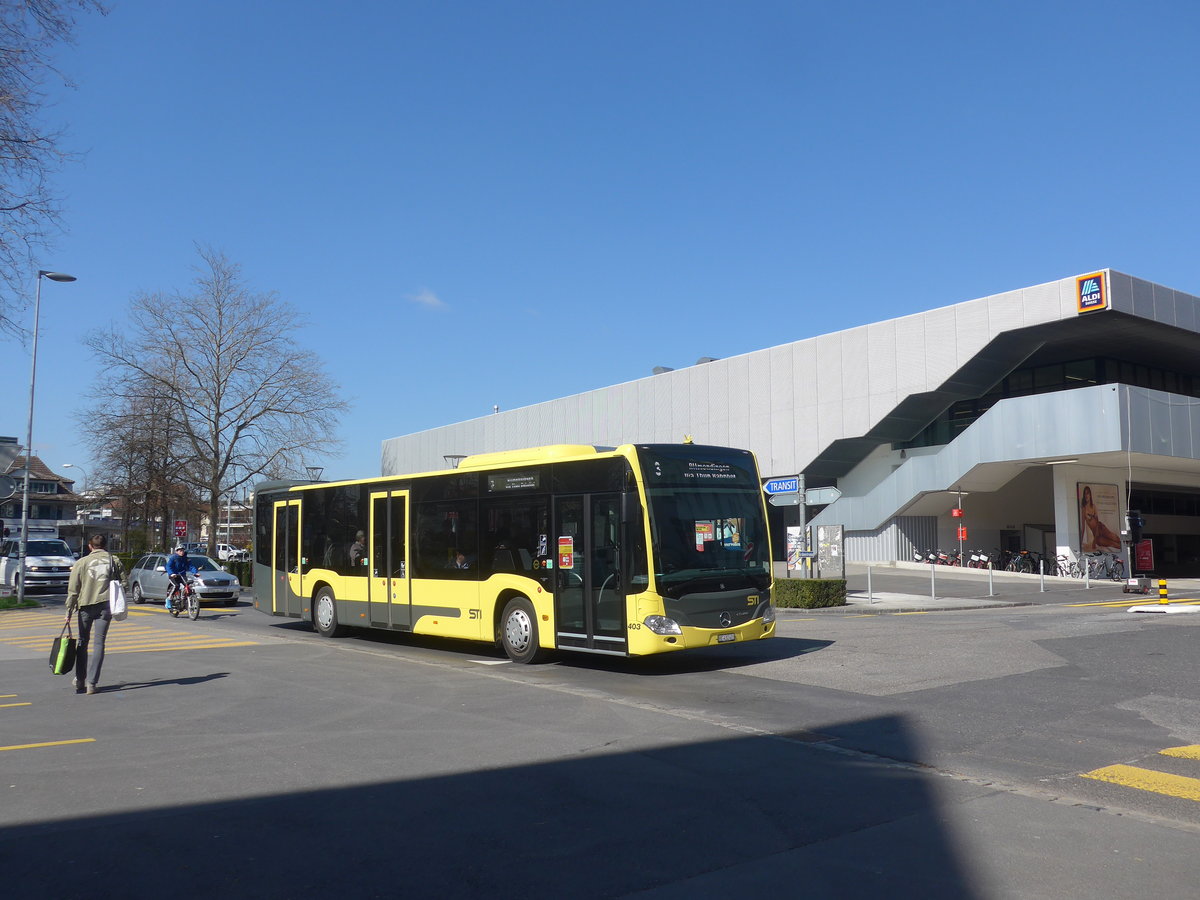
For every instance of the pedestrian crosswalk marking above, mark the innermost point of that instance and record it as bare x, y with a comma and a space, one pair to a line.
1192, 752
34, 631
1148, 780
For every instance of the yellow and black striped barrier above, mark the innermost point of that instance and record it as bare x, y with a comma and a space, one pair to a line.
1162, 591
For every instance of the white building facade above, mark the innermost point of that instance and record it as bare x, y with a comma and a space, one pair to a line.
1044, 414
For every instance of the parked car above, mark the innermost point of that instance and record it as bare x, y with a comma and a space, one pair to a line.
230, 553
47, 564
148, 580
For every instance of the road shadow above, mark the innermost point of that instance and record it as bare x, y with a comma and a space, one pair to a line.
749, 815
185, 681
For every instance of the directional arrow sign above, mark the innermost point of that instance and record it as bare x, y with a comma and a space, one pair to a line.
784, 499
782, 485
821, 496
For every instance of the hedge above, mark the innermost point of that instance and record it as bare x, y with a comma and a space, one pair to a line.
809, 593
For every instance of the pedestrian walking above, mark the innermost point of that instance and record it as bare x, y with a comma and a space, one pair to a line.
87, 595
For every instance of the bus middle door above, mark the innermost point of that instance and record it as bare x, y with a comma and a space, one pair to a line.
286, 596
389, 602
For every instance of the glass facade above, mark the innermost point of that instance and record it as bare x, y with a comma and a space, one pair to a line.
1048, 379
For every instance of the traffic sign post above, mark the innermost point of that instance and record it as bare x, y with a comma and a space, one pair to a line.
784, 499
782, 485
821, 496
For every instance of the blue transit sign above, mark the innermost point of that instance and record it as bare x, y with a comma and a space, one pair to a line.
782, 485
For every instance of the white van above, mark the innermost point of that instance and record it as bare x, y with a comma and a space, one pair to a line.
48, 564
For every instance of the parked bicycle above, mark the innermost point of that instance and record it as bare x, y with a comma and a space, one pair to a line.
1105, 565
1068, 568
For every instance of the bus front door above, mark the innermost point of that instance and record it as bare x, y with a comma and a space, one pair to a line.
589, 599
390, 603
285, 554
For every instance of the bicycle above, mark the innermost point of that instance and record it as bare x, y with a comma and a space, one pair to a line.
1068, 568
1105, 565
189, 600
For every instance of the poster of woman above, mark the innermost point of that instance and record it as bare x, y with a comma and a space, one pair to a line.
1098, 517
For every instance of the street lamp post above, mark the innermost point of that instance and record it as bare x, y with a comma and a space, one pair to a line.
37, 309
81, 469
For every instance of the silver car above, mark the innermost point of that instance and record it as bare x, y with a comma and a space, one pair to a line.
148, 580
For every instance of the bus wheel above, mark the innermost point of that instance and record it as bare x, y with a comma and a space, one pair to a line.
519, 631
325, 614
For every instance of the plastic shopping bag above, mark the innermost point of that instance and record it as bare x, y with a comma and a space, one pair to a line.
116, 601
62, 651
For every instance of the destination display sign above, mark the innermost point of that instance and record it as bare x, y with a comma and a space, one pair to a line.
514, 481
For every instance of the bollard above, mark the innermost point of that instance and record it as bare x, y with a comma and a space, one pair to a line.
991, 586
1042, 574
932, 583
1162, 590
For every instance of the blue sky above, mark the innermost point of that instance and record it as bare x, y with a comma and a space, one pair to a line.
479, 203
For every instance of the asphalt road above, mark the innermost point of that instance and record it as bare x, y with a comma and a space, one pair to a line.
949, 753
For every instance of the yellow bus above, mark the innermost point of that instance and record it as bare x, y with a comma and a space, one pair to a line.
625, 551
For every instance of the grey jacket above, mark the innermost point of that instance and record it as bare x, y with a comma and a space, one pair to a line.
88, 584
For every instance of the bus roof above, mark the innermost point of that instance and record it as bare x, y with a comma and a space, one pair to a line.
531, 455
548, 453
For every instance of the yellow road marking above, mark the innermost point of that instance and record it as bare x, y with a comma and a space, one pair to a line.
1148, 780
186, 647
1192, 752
37, 633
50, 744
1144, 601
7, 705
922, 612
6, 696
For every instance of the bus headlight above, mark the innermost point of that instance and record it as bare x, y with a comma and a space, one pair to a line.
662, 625
769, 614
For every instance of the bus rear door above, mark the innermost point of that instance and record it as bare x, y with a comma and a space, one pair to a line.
390, 603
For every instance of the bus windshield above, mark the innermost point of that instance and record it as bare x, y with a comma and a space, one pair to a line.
706, 519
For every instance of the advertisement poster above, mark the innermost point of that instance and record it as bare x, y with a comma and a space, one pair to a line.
795, 547
1099, 521
1144, 556
830, 559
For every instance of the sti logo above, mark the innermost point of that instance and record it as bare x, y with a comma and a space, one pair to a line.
1090, 292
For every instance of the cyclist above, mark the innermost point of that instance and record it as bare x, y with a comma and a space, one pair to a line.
178, 568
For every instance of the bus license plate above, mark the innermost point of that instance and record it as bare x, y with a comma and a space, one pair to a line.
726, 638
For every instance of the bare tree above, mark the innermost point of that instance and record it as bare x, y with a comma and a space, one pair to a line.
221, 365
29, 153
139, 455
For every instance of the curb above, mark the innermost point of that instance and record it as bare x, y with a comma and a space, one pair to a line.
860, 608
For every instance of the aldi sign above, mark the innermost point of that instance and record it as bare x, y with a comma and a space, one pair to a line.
1090, 292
